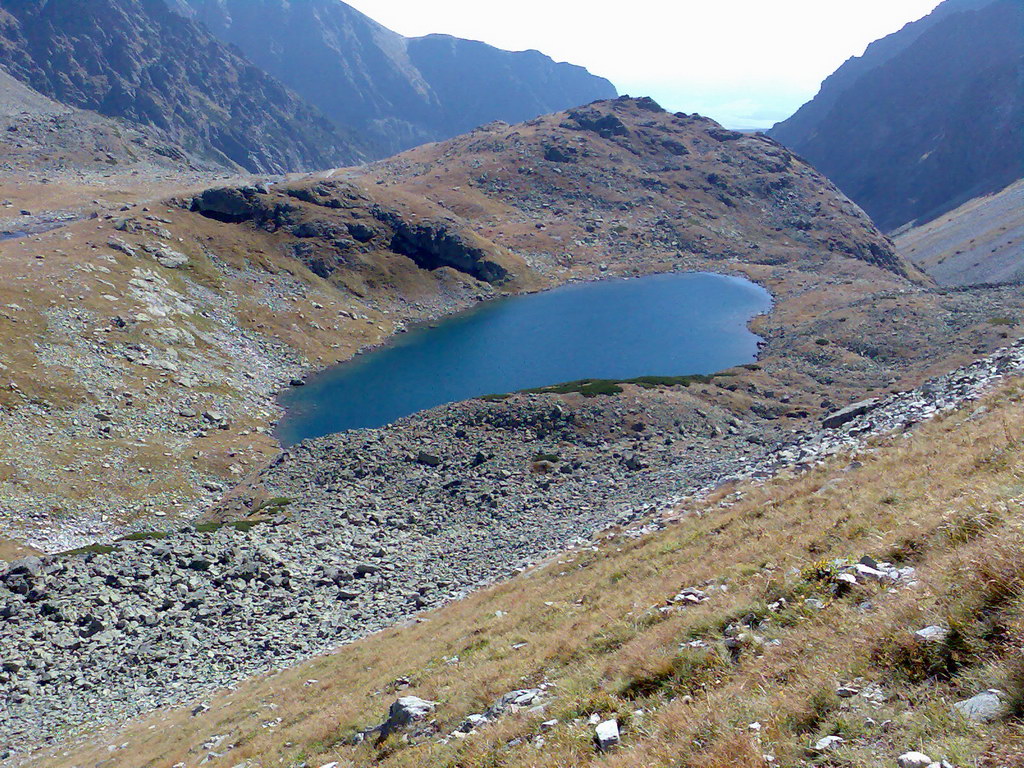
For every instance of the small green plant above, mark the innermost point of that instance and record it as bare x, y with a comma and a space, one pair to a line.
820, 571
598, 387
239, 525
92, 549
145, 536
273, 506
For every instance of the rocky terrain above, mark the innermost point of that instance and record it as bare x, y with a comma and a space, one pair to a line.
982, 241
926, 120
181, 319
393, 92
376, 526
136, 60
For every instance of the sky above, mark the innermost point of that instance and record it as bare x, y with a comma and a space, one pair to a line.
745, 63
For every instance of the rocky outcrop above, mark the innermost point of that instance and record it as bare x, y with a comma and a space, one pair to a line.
433, 245
394, 91
339, 222
231, 204
135, 59
928, 118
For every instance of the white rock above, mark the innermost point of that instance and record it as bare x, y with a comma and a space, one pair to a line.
829, 743
933, 633
867, 572
607, 735
913, 760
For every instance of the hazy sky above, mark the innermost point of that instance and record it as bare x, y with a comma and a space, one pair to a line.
746, 63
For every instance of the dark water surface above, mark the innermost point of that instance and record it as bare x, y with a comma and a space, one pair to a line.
663, 325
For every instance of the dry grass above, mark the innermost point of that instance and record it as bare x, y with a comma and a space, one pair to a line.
945, 500
13, 550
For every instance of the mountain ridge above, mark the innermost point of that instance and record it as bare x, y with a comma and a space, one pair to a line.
396, 91
930, 127
137, 60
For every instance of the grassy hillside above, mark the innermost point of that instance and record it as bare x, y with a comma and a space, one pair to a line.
779, 656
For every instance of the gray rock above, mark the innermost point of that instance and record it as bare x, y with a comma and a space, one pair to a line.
512, 701
30, 566
404, 712
848, 414
983, 708
167, 257
428, 459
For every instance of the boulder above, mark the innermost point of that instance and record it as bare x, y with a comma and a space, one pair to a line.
983, 708
690, 596
168, 257
404, 712
225, 204
866, 572
121, 246
848, 414
30, 566
512, 701
428, 459
913, 760
606, 735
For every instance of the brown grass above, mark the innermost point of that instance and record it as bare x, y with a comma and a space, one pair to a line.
944, 500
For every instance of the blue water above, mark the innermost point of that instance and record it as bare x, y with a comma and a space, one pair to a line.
664, 325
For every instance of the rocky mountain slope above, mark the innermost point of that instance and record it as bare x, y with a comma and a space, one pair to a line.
927, 119
136, 60
393, 91
43, 136
982, 241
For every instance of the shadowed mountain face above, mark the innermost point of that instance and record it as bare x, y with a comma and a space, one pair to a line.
397, 92
137, 60
927, 119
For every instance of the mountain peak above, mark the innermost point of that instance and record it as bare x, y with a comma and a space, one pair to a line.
395, 91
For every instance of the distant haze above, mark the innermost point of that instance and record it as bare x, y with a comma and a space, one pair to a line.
746, 63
